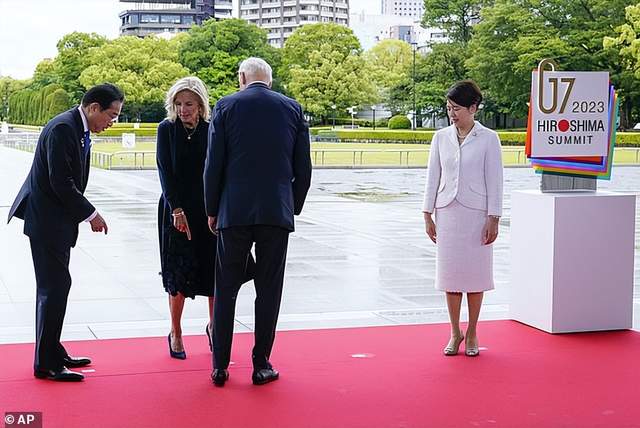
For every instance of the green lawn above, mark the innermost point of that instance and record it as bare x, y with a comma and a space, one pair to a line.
329, 154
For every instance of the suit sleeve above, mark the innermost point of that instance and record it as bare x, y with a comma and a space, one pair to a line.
61, 146
168, 179
214, 164
301, 164
493, 176
434, 172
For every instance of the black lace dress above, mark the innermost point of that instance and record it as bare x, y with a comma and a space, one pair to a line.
187, 266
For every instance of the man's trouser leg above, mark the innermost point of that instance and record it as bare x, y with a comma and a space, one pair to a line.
53, 282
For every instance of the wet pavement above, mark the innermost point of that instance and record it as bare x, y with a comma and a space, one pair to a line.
359, 257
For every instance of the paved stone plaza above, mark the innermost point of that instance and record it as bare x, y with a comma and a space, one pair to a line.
359, 257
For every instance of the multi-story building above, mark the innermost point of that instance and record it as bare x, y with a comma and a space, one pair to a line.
370, 29
281, 17
412, 8
146, 17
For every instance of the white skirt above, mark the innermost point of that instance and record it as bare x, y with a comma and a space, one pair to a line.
463, 263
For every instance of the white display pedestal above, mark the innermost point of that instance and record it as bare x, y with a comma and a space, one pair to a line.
572, 260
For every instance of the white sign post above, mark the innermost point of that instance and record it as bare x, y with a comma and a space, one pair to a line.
128, 141
570, 111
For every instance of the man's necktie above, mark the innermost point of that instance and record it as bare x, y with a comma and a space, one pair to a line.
87, 143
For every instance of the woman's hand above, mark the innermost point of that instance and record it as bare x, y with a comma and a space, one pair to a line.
430, 227
490, 230
180, 222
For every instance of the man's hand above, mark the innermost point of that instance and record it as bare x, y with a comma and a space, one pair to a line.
213, 221
98, 224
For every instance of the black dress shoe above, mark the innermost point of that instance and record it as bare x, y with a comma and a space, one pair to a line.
73, 362
262, 376
62, 375
179, 355
219, 376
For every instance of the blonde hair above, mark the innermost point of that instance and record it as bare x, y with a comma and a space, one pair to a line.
191, 84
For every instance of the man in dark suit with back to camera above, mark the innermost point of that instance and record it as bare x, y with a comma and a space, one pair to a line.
257, 175
52, 204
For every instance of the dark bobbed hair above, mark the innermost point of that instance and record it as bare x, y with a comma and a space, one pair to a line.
104, 95
465, 93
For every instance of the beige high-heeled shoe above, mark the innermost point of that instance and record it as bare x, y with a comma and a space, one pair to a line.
453, 345
471, 351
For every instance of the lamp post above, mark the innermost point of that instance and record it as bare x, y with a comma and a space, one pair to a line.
414, 47
333, 107
373, 109
352, 110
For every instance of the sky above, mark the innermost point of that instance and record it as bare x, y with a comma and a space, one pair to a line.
30, 29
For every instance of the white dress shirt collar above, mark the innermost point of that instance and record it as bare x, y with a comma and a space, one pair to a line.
85, 124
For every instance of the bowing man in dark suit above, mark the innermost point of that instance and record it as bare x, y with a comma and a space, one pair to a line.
257, 175
52, 204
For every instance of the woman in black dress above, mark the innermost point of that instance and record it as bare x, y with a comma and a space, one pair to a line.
187, 247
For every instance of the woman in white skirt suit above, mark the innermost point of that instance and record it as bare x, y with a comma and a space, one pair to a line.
462, 208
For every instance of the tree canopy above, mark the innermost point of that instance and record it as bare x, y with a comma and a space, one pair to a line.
331, 79
214, 51
144, 69
388, 62
8, 87
627, 42
456, 17
72, 59
323, 66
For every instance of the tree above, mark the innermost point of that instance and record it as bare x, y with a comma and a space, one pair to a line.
388, 63
514, 35
505, 48
72, 59
435, 73
331, 78
456, 17
214, 50
44, 74
311, 37
8, 87
37, 106
57, 102
627, 43
144, 69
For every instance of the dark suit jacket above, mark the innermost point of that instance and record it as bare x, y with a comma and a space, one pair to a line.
51, 200
258, 167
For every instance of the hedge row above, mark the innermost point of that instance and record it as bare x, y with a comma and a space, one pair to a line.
130, 125
366, 123
508, 138
117, 131
629, 139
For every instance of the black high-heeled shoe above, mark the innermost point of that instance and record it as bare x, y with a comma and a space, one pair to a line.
206, 331
179, 355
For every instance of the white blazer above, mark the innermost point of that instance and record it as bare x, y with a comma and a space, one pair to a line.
470, 172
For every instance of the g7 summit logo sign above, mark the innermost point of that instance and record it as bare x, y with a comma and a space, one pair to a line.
569, 112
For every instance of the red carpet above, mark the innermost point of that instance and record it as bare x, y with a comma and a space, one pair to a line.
524, 378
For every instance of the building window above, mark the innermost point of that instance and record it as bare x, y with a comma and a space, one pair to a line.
170, 19
149, 19
187, 19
